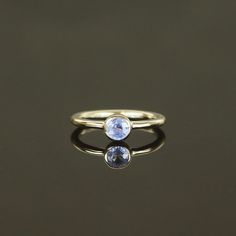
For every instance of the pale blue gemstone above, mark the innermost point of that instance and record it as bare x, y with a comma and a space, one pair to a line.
117, 128
117, 157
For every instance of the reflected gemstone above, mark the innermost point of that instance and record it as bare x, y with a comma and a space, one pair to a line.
117, 157
117, 127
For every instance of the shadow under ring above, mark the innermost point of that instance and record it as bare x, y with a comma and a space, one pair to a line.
120, 148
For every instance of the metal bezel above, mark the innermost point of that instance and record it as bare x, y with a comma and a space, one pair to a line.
117, 116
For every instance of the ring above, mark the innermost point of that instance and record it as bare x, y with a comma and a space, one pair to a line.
117, 154
118, 123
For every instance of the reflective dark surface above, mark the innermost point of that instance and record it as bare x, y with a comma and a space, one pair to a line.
172, 57
117, 154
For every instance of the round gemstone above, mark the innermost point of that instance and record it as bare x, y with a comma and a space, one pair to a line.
117, 157
117, 127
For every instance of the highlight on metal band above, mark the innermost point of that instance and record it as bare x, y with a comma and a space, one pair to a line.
118, 123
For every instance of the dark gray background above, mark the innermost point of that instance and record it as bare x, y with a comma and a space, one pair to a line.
173, 57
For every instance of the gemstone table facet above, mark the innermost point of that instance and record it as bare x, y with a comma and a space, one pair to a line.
117, 127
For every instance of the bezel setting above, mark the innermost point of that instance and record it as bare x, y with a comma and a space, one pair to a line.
117, 127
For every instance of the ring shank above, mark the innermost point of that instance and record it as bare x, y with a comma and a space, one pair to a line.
96, 118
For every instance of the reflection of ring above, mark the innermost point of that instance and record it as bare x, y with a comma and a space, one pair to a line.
117, 154
118, 123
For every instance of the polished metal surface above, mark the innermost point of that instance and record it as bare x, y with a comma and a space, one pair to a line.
93, 118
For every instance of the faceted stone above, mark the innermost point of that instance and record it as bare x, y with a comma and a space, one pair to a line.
117, 127
117, 157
